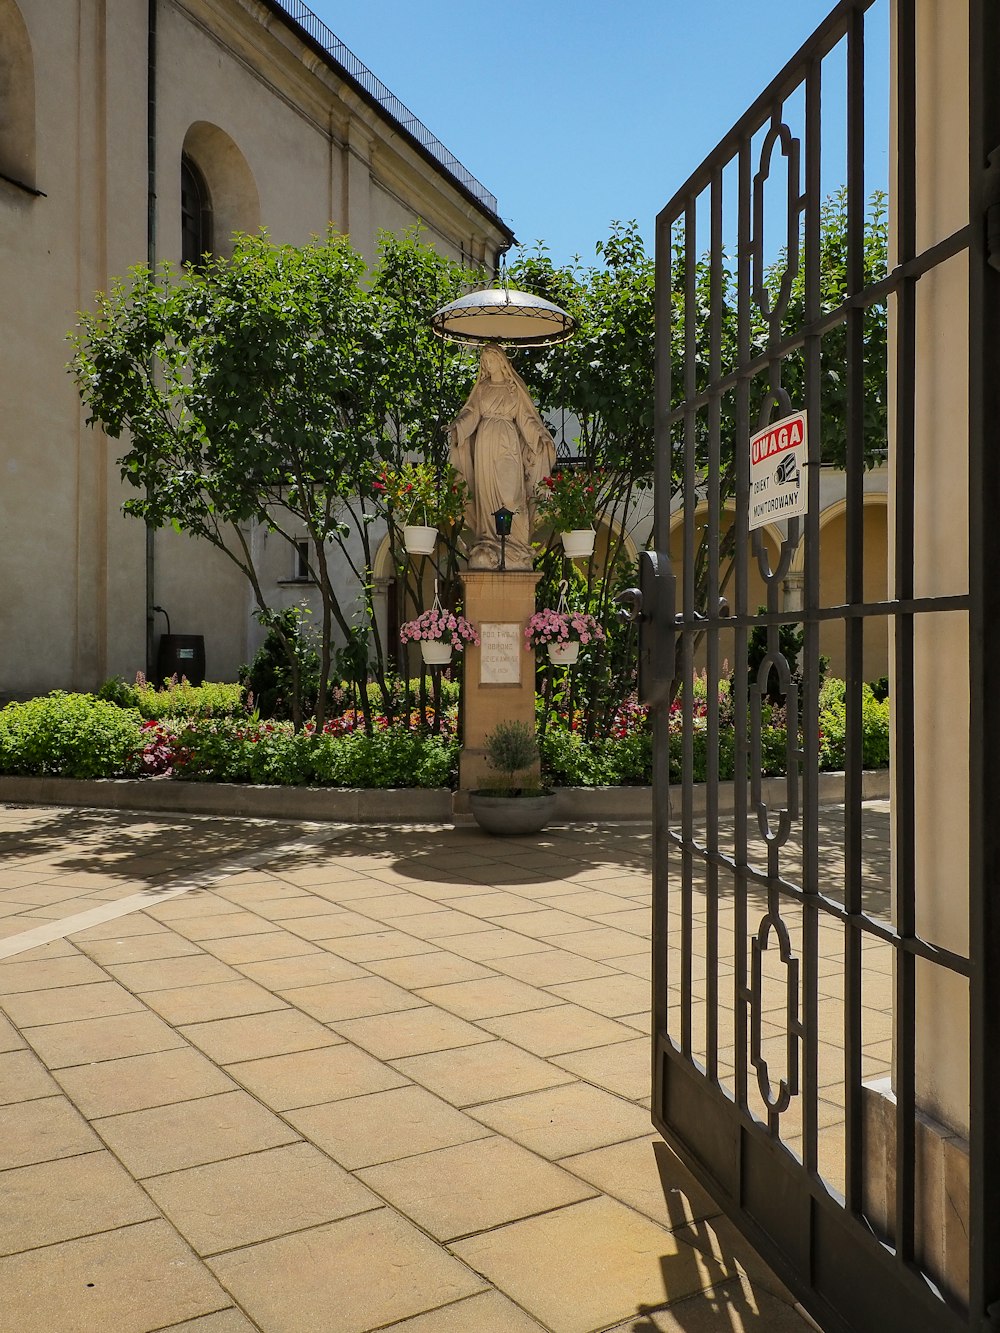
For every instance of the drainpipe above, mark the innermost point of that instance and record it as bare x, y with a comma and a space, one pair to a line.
151, 261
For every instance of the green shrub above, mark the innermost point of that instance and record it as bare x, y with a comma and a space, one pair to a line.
568, 760
833, 727
268, 678
177, 698
391, 758
70, 736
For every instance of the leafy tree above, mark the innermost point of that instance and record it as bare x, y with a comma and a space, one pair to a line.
604, 376
265, 388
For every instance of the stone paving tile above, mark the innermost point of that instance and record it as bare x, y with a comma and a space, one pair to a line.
566, 1120
225, 1321
9, 1039
385, 1126
139, 948
281, 974
546, 921
440, 924
602, 944
323, 1279
130, 1280
389, 907
558, 1030
487, 998
623, 1068
170, 973
170, 1138
488, 1071
484, 945
141, 1081
638, 964
611, 996
428, 969
256, 1036
360, 998
551, 967
139, 923
587, 1266
487, 1313
23, 1077
413, 1032
377, 945
647, 1176
94, 1000
307, 1078
473, 1186
491, 905
65, 1199
91, 1039
259, 948
249, 1199
41, 1131
331, 925
17, 976
225, 927
733, 1306
200, 1004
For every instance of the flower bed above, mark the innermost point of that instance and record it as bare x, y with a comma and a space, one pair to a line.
83, 736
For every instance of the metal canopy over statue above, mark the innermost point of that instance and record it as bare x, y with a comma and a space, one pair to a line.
501, 447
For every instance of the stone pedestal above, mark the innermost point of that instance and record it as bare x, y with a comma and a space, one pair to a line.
500, 674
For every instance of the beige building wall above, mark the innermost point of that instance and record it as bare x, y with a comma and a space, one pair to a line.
283, 141
941, 559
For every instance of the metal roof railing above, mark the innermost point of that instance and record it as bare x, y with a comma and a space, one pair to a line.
358, 71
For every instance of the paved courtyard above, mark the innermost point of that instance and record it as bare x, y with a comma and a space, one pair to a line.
316, 1079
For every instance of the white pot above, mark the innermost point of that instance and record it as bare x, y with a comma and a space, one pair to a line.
418, 540
563, 654
579, 542
435, 652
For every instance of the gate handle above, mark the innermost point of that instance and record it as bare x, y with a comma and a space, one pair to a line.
629, 604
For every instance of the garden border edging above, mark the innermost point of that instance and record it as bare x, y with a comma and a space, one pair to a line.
407, 805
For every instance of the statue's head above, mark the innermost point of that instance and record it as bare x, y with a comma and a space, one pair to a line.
493, 364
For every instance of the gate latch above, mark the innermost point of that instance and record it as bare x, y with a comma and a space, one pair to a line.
651, 606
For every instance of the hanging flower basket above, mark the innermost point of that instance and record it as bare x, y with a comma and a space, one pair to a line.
439, 633
560, 632
578, 543
570, 500
419, 540
435, 652
563, 654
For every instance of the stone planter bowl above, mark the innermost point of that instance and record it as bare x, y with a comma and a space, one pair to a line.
508, 815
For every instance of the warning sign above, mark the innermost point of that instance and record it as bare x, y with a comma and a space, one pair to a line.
777, 471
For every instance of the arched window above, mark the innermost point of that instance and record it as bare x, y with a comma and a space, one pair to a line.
17, 100
196, 214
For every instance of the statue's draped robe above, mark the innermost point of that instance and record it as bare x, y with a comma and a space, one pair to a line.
502, 449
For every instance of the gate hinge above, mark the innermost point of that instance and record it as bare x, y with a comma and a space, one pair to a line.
991, 202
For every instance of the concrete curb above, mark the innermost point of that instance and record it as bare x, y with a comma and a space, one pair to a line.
411, 805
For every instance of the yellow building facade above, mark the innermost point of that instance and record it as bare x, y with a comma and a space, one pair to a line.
131, 133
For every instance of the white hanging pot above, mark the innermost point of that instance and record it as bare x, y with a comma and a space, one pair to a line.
563, 654
579, 542
435, 652
419, 540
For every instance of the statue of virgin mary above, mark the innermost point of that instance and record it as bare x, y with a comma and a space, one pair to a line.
501, 447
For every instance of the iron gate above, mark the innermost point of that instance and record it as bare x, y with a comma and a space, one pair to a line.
785, 980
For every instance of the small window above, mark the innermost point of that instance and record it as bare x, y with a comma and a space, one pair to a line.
302, 560
196, 215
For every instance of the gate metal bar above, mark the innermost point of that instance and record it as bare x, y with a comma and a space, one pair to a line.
984, 538
820, 1243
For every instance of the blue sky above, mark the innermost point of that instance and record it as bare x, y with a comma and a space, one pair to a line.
577, 112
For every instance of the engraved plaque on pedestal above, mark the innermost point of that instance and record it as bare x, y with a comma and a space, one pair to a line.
500, 655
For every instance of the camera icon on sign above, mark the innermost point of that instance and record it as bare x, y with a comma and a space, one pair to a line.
787, 471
